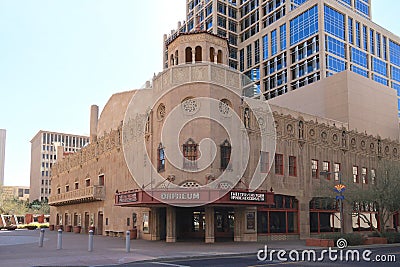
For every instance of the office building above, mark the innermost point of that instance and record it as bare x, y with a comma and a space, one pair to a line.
286, 44
2, 154
15, 192
43, 155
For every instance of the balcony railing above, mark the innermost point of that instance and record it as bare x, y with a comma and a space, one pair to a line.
83, 195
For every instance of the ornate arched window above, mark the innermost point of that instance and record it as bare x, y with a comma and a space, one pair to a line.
176, 58
246, 118
199, 54
190, 184
160, 158
190, 151
225, 154
148, 124
219, 56
188, 54
212, 54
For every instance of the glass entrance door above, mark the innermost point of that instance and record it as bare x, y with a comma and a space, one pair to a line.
224, 224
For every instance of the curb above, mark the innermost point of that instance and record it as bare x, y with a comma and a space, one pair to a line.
249, 253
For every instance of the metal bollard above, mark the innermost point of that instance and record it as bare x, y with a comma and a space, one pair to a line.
41, 237
128, 241
90, 247
59, 239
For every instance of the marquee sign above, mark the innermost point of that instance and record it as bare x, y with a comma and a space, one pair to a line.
128, 198
247, 196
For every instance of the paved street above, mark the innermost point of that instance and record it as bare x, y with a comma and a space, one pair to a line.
20, 248
251, 260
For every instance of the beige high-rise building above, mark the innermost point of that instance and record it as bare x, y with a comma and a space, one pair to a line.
2, 154
43, 155
283, 45
15, 192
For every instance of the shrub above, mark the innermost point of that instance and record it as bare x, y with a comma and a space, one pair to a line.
392, 237
353, 239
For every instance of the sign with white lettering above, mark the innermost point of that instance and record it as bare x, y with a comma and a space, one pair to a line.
127, 198
247, 196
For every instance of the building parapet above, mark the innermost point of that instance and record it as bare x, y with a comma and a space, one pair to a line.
106, 143
328, 134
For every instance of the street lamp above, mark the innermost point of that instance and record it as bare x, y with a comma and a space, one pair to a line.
338, 188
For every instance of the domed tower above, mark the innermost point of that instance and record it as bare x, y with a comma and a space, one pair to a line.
199, 46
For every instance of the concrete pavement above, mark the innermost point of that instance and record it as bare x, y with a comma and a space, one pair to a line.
20, 248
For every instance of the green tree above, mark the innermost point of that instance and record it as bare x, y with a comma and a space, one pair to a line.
39, 207
382, 193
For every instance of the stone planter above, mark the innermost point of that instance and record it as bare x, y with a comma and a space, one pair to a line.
51, 227
318, 242
60, 227
11, 227
375, 240
68, 228
92, 228
77, 229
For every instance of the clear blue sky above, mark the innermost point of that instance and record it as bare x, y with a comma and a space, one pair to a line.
58, 57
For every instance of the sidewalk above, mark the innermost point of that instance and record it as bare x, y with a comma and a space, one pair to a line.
20, 248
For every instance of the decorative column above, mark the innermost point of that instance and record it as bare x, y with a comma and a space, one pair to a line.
171, 225
239, 224
209, 231
155, 224
304, 217
194, 55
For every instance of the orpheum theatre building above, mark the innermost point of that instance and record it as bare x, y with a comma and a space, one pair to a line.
191, 157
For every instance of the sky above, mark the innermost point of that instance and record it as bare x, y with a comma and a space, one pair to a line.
58, 57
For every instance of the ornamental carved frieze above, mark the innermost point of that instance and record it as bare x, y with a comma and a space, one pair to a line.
100, 147
166, 79
323, 134
335, 137
200, 73
218, 75
180, 75
233, 79
311, 131
290, 129
106, 143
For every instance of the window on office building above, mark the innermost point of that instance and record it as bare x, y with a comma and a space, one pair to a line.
282, 34
314, 168
304, 25
279, 164
292, 166
355, 175
373, 176
336, 170
334, 22
326, 168
364, 177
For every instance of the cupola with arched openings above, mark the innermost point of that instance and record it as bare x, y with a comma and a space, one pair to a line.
195, 47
